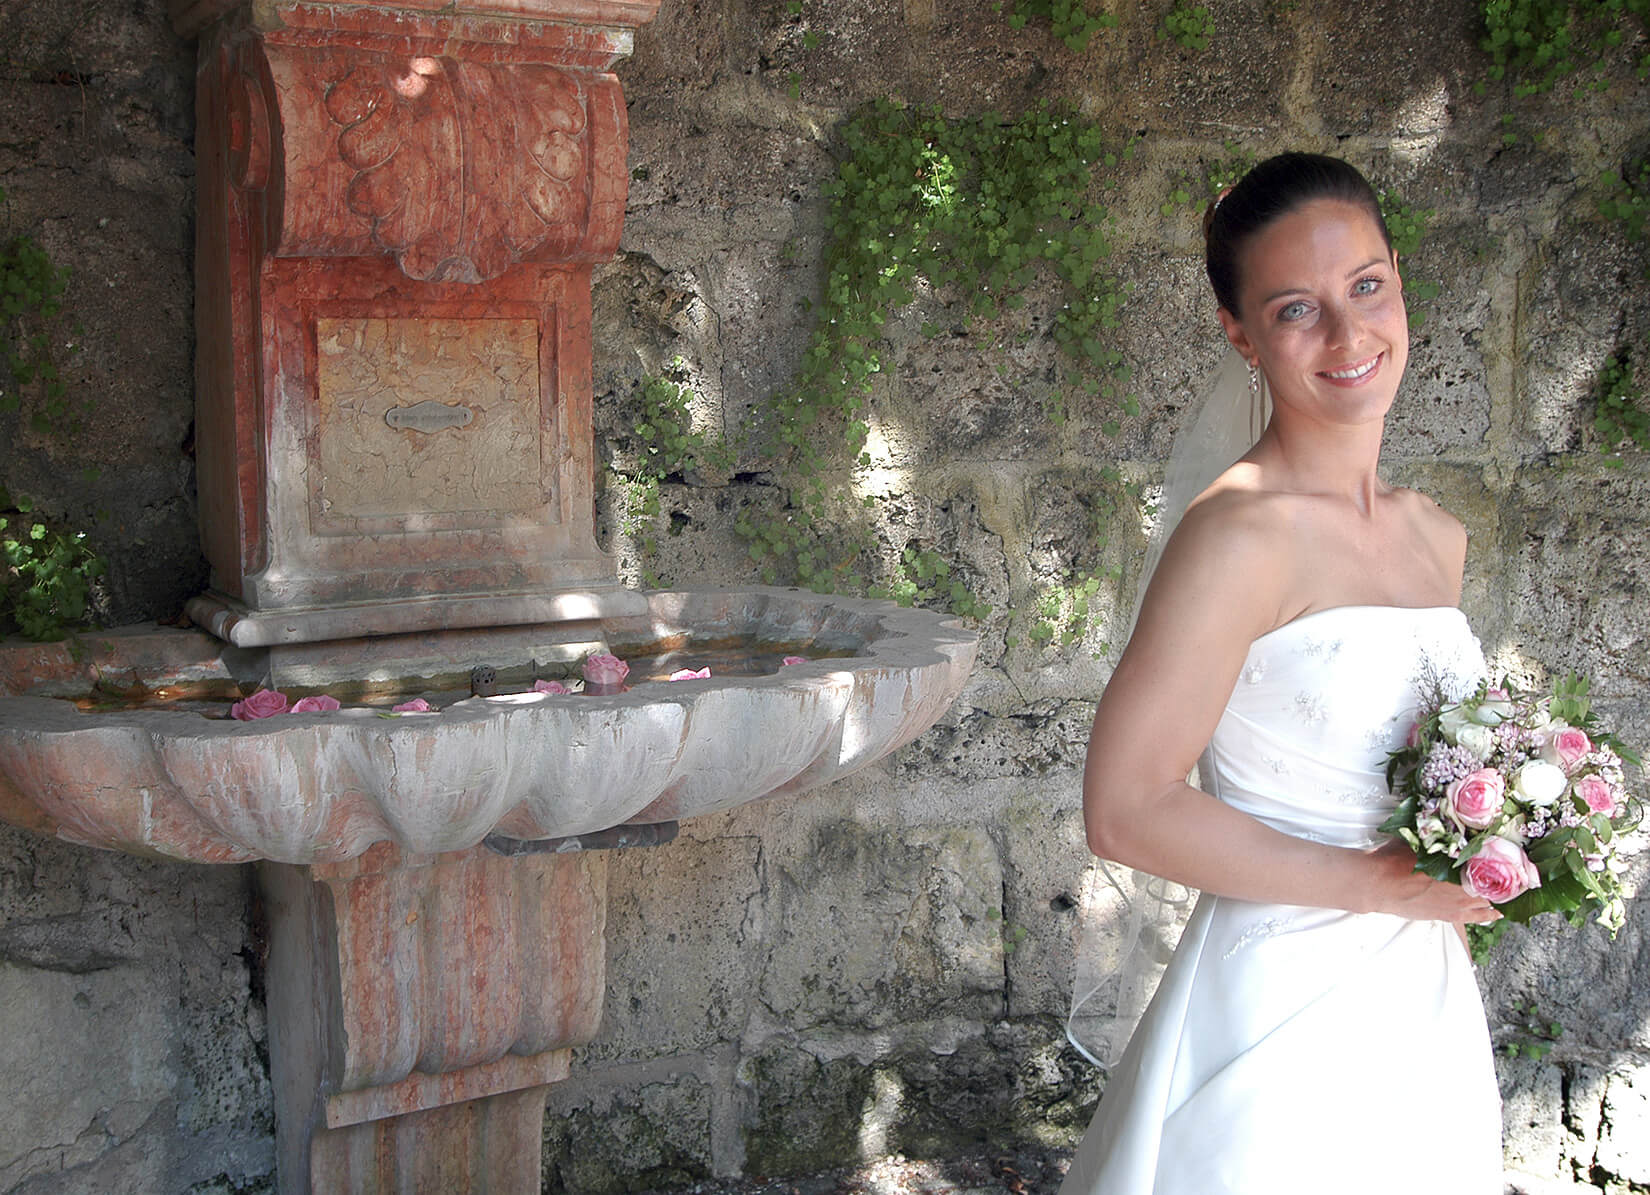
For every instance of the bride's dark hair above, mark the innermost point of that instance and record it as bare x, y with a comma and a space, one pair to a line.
1271, 189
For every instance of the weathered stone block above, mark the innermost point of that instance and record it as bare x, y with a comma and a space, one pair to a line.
699, 898
651, 1138
1532, 1134
874, 927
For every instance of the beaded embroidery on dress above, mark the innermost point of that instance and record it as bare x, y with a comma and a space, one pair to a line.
1272, 1060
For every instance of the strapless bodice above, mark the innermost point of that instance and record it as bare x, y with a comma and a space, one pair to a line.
1318, 705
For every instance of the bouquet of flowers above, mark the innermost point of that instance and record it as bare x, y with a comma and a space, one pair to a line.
1521, 799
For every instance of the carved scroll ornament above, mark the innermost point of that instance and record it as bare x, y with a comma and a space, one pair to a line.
459, 169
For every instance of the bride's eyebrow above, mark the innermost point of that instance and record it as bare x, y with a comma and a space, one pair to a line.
1301, 290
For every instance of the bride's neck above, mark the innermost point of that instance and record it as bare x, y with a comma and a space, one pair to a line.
1331, 460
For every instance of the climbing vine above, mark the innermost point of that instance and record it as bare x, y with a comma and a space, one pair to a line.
45, 574
1070, 20
1200, 188
662, 445
1620, 414
1188, 25
1536, 43
1407, 226
31, 300
979, 210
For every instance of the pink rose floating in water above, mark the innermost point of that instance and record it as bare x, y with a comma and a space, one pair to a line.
1499, 872
416, 706
318, 704
794, 660
265, 703
550, 686
690, 674
604, 673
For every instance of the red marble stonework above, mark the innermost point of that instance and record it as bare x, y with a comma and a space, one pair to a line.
390, 163
399, 205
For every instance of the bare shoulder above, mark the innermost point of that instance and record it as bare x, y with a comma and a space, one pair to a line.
1442, 530
1228, 555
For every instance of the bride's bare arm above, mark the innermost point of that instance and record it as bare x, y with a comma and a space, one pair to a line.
1219, 586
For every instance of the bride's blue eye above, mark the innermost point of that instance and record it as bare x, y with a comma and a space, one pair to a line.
1366, 286
1292, 311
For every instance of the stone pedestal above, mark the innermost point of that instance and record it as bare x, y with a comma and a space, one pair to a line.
418, 1008
399, 204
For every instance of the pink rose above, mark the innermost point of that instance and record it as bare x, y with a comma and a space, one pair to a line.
1567, 748
604, 673
794, 660
1596, 794
1476, 798
1499, 872
318, 704
550, 686
690, 673
1413, 738
265, 703
416, 706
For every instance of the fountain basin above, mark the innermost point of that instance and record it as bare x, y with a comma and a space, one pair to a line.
324, 788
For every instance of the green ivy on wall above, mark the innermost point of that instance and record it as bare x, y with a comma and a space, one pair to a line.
979, 209
1070, 20
1620, 414
1189, 25
45, 574
665, 446
1407, 226
1536, 43
31, 299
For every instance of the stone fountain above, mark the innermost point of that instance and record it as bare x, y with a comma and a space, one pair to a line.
399, 205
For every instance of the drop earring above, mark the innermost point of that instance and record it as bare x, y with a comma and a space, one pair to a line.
1254, 380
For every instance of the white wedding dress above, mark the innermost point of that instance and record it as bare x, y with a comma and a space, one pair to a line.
1293, 1050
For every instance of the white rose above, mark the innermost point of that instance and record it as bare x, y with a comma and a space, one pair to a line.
1494, 709
1480, 740
1539, 782
1451, 720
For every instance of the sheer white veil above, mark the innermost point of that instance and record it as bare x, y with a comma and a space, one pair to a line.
1130, 922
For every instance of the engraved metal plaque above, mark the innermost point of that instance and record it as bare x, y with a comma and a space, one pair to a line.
428, 416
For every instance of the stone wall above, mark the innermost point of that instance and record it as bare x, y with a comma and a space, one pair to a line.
881, 966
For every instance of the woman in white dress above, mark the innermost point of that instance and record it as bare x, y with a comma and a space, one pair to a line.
1319, 1028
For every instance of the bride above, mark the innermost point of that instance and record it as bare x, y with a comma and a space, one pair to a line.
1319, 1027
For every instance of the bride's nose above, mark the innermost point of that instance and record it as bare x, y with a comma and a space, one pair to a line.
1342, 328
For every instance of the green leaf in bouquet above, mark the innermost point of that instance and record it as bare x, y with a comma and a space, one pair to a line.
1549, 849
1558, 895
1439, 866
1570, 700
1402, 815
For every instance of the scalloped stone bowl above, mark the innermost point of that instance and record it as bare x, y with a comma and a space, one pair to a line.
321, 788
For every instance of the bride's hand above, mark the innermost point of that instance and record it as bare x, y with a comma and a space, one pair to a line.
1396, 887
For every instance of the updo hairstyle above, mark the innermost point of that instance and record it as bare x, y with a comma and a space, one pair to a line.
1271, 189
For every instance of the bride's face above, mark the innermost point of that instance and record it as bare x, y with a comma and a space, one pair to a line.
1323, 312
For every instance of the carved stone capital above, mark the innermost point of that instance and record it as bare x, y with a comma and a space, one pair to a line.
458, 169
